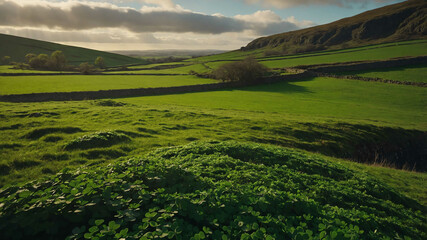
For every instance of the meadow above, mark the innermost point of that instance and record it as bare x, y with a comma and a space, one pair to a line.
65, 83
293, 160
404, 74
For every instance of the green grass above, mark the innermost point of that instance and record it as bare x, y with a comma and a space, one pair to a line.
199, 68
378, 51
212, 190
318, 98
9, 69
38, 84
373, 53
326, 121
157, 65
17, 48
404, 74
320, 115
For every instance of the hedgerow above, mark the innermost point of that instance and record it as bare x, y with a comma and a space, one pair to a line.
211, 190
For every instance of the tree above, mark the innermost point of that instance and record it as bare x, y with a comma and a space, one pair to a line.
29, 56
248, 70
6, 60
99, 62
57, 60
40, 62
86, 68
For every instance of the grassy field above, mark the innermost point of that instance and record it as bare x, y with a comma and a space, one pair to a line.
316, 98
374, 53
9, 69
379, 51
198, 67
34, 135
37, 84
236, 146
404, 74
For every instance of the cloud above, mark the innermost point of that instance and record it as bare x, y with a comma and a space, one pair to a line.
161, 3
97, 35
74, 15
293, 3
267, 23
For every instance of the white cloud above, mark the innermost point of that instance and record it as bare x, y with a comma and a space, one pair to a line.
74, 15
107, 26
293, 3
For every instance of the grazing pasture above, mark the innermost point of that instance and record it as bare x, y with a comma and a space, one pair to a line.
403, 74
64, 83
303, 159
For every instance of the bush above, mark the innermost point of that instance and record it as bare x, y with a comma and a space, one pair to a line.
248, 70
99, 62
6, 60
86, 68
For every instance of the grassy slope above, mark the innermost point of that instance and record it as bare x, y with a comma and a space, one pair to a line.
18, 47
37, 84
318, 98
404, 74
419, 48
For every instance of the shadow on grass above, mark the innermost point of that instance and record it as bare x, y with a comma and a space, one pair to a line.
280, 87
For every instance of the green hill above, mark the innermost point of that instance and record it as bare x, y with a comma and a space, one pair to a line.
213, 190
397, 22
18, 47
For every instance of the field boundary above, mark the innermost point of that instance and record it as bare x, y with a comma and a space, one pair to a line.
365, 65
369, 79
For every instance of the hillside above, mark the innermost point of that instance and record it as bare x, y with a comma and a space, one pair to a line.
18, 47
397, 22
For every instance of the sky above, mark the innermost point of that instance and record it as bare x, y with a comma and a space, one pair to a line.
169, 24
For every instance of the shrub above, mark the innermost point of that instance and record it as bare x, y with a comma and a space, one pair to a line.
99, 139
99, 62
86, 68
6, 60
248, 70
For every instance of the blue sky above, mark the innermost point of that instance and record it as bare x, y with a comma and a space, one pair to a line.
169, 24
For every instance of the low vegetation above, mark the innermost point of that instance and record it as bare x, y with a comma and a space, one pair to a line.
96, 140
213, 190
247, 70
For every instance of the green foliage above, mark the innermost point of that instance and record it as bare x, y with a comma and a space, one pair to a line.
39, 62
212, 190
86, 68
6, 60
248, 70
99, 62
58, 60
95, 140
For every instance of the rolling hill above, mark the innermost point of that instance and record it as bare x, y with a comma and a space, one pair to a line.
397, 22
18, 47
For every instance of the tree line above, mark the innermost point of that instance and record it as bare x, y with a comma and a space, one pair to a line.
55, 62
